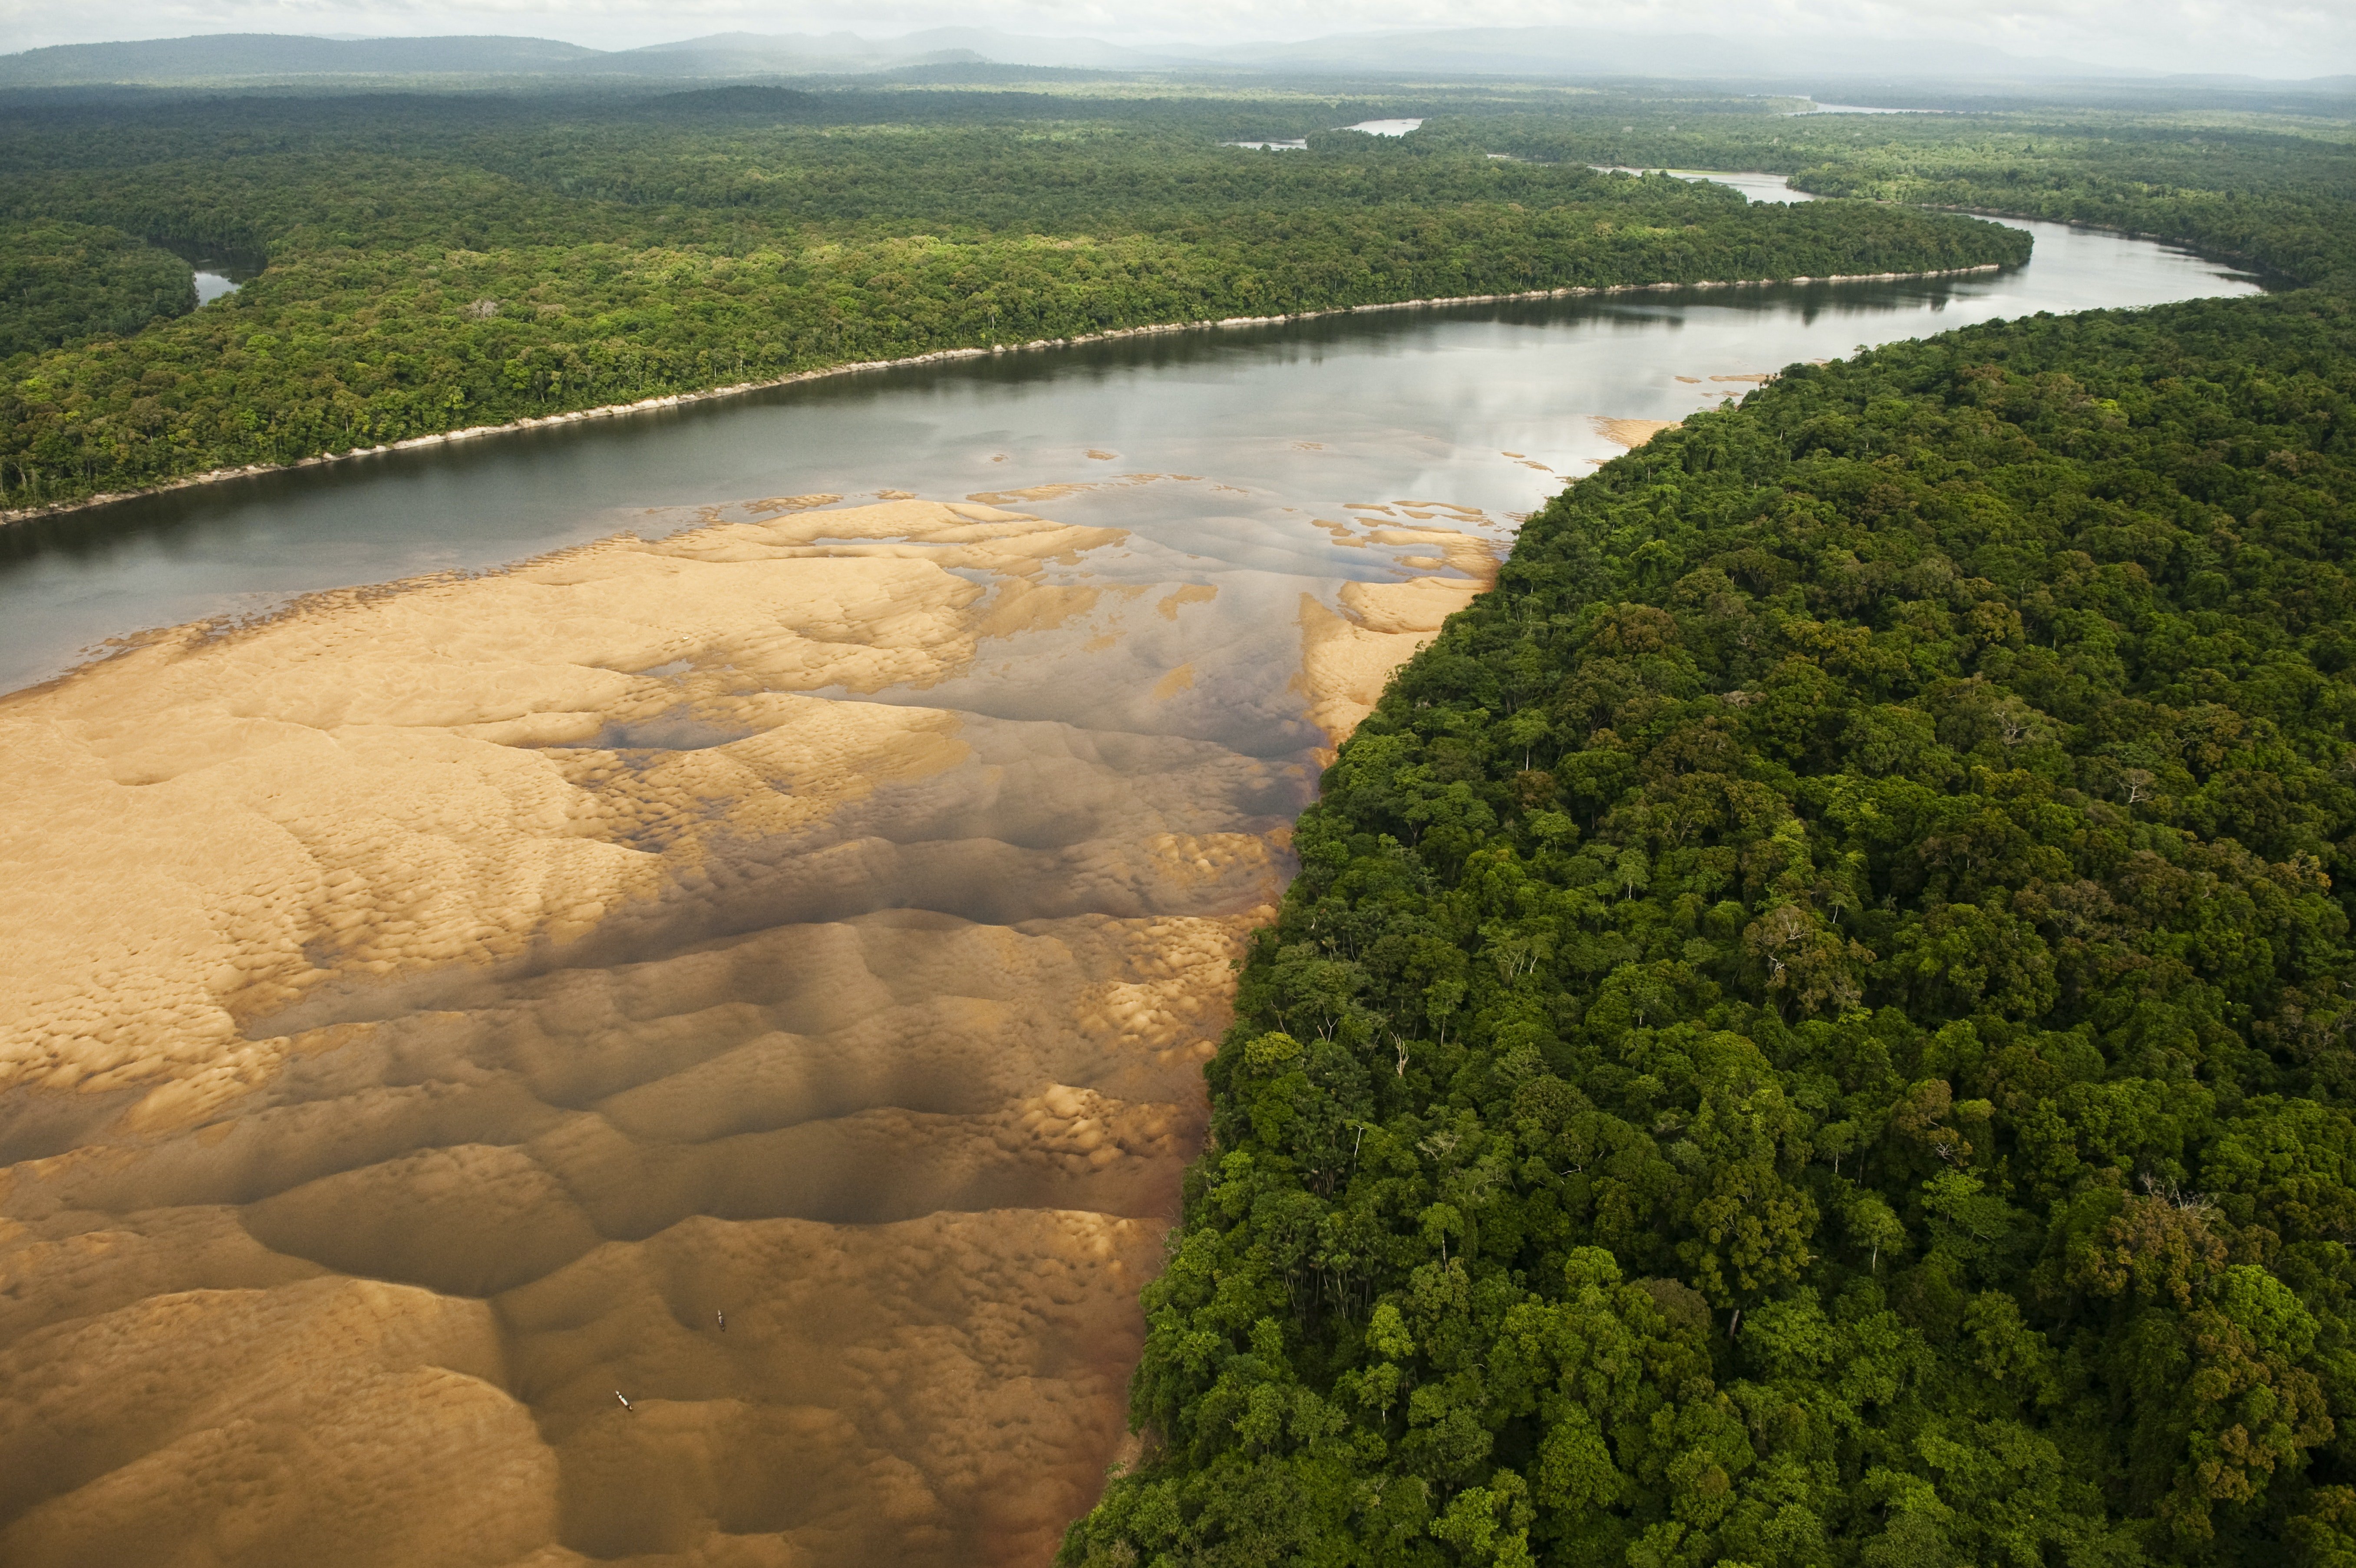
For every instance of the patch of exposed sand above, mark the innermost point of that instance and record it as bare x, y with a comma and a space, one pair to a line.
863, 1142
1034, 494
789, 503
1631, 432
207, 1395
377, 780
1347, 658
1185, 594
429, 1007
1474, 556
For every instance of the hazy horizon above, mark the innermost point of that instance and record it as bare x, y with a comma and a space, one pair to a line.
2278, 39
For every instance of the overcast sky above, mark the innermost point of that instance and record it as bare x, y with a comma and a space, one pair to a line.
2267, 37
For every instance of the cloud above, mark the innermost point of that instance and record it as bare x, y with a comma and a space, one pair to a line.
2292, 39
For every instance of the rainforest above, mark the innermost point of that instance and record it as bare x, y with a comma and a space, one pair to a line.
1792, 1003
1812, 1022
431, 267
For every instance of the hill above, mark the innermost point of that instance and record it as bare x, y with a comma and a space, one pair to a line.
239, 57
1841, 69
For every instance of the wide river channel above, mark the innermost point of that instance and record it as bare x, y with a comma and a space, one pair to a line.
1298, 418
635, 991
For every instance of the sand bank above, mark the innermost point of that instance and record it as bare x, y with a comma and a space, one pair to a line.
1631, 433
1347, 654
445, 774
430, 1008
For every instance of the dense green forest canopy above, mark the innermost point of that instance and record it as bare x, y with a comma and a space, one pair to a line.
63, 283
1814, 1025
2278, 192
441, 261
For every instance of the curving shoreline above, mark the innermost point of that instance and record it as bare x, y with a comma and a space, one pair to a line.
740, 389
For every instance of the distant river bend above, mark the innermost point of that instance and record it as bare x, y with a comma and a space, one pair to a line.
670, 1031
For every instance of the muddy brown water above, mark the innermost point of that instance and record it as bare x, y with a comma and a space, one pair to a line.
883, 1041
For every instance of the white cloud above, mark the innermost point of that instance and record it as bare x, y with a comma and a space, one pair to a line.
2269, 37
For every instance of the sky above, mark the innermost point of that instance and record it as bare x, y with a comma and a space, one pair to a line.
2292, 39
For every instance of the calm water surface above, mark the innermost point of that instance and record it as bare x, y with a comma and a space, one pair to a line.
1296, 418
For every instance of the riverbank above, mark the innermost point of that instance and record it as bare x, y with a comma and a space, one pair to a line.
941, 356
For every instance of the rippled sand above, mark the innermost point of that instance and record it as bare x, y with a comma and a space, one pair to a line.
423, 1014
1634, 432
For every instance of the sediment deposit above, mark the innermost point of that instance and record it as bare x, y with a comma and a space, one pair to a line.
1631, 432
427, 1013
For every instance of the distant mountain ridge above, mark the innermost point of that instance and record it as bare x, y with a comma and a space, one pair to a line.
216, 56
1523, 52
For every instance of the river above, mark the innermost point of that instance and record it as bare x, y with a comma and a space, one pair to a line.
671, 1029
1399, 402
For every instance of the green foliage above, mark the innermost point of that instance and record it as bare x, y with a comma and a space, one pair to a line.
1812, 1026
437, 263
2272, 192
63, 283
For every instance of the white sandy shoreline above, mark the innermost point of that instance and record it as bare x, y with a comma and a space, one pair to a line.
939, 356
